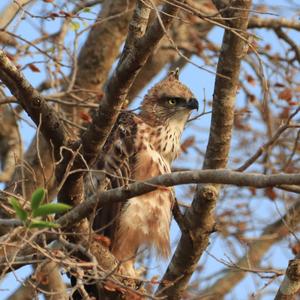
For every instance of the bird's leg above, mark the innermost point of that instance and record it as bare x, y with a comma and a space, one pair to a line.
127, 268
125, 251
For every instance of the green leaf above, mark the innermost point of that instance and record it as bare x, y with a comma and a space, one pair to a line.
75, 26
42, 224
51, 49
51, 208
86, 9
20, 212
37, 198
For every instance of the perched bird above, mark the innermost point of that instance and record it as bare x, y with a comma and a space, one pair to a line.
139, 147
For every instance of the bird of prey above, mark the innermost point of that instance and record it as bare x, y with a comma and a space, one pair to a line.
141, 146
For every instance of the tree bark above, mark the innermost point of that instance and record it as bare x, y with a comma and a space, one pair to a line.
199, 216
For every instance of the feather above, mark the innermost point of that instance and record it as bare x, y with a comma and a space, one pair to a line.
140, 147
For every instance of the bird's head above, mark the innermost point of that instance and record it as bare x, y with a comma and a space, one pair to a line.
168, 101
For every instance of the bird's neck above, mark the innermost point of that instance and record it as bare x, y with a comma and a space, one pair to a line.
167, 141
163, 136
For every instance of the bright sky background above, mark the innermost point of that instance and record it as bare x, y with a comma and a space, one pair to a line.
200, 82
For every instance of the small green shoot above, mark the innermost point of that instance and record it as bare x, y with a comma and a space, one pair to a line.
50, 208
37, 198
20, 212
31, 218
42, 224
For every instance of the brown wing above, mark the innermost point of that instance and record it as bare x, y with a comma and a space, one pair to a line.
117, 161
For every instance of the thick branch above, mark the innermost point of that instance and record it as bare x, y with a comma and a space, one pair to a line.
10, 143
6, 17
103, 44
95, 137
32, 102
122, 194
120, 82
271, 23
200, 215
290, 285
178, 178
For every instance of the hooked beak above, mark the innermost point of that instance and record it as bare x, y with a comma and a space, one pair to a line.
192, 104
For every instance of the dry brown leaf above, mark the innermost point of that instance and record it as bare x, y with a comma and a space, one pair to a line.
34, 68
251, 80
295, 248
286, 94
85, 117
279, 85
187, 143
284, 113
104, 240
112, 287
270, 193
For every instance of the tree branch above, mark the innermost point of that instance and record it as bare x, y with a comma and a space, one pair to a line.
33, 103
84, 209
281, 34
200, 215
117, 87
271, 23
139, 45
6, 17
256, 251
178, 178
290, 285
10, 143
95, 60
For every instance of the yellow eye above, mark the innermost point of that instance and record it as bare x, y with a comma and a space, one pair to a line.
172, 102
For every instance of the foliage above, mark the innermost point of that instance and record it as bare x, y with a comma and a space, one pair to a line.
31, 218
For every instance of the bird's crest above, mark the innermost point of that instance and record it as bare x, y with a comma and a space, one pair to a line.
170, 86
174, 74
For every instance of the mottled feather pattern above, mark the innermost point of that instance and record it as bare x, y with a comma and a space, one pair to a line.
117, 161
141, 147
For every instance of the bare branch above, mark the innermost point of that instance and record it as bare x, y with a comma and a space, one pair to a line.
218, 176
257, 249
10, 143
120, 82
273, 23
268, 144
200, 215
177, 178
281, 34
32, 102
291, 283
94, 60
6, 17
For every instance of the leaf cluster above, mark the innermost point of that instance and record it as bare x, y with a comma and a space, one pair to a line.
38, 210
